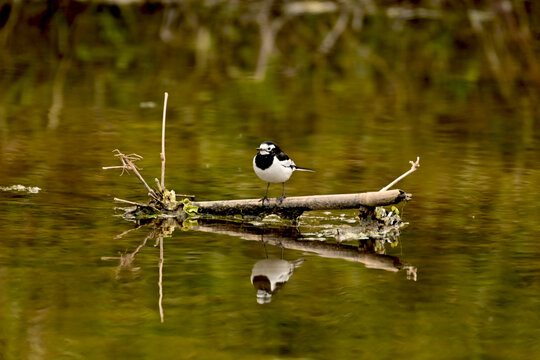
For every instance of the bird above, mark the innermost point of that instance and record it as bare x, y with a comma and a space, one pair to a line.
272, 165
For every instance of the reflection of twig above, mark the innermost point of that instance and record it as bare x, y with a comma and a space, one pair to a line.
414, 165
11, 20
158, 230
126, 259
141, 245
476, 19
268, 29
57, 102
160, 281
331, 38
119, 236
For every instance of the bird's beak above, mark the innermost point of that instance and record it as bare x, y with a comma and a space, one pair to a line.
258, 149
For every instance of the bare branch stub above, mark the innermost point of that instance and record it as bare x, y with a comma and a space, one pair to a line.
414, 165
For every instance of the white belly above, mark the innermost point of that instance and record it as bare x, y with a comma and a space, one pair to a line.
276, 173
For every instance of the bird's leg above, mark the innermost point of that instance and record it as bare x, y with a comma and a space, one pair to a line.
282, 197
265, 197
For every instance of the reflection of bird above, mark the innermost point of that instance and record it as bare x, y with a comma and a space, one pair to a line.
270, 275
274, 166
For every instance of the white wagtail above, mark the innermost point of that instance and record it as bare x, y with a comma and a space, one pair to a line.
274, 166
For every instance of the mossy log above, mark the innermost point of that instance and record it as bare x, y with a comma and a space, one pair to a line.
292, 207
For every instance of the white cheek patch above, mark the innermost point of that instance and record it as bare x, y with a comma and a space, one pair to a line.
265, 149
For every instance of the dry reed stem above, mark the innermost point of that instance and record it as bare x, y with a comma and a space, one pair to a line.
162, 155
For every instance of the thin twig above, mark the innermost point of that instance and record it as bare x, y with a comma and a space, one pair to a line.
128, 202
162, 155
127, 161
414, 165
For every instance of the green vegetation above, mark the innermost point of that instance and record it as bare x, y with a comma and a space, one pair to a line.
463, 44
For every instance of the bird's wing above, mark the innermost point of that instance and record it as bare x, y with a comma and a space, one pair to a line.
285, 161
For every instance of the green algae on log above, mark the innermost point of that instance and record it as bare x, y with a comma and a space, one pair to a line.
292, 207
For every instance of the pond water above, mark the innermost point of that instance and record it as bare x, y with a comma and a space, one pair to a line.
76, 281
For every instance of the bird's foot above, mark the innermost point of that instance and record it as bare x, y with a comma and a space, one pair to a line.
263, 199
280, 199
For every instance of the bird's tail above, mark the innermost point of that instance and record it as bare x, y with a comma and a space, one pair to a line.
303, 169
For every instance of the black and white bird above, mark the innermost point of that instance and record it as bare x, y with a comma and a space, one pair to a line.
272, 165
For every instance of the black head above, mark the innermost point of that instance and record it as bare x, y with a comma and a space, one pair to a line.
268, 147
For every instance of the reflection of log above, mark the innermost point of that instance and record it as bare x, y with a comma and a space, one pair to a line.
294, 206
291, 238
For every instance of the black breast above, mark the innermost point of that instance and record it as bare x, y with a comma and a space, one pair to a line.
264, 161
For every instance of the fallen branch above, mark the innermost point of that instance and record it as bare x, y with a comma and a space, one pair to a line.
292, 207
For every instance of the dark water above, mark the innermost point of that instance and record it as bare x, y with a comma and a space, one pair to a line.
472, 234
